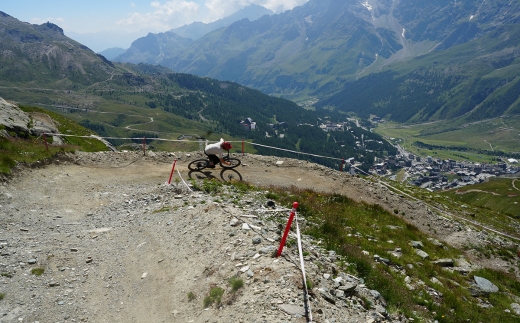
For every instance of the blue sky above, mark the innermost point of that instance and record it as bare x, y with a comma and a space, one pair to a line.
115, 19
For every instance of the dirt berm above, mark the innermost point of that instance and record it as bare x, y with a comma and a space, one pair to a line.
118, 245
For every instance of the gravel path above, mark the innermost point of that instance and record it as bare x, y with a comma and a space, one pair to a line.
118, 245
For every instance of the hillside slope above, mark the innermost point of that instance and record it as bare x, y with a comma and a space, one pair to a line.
442, 58
116, 246
34, 55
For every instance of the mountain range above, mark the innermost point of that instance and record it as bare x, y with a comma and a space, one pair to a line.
42, 56
153, 48
404, 60
40, 66
444, 59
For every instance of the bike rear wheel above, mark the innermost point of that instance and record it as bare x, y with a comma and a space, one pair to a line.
198, 164
233, 161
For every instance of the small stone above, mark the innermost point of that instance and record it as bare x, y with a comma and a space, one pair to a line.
31, 261
485, 285
257, 240
422, 254
436, 281
444, 262
54, 284
250, 273
267, 250
245, 227
516, 308
244, 269
292, 309
348, 287
417, 244
144, 275
234, 222
74, 249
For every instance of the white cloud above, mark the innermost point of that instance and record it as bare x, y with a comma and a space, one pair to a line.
282, 5
165, 16
222, 8
169, 14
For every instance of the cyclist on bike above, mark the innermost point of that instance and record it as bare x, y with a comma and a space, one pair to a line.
214, 152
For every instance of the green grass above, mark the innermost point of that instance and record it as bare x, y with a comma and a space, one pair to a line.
236, 283
498, 212
495, 203
191, 296
214, 296
345, 226
500, 134
37, 271
2, 295
31, 149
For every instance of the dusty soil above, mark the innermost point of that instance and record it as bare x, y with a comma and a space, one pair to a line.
118, 245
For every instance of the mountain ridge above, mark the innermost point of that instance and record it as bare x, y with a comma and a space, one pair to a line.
312, 51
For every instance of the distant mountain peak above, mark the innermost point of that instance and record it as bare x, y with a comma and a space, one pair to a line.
53, 27
198, 29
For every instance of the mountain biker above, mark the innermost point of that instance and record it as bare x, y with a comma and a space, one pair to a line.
214, 152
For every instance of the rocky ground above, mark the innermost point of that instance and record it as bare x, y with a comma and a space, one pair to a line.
118, 245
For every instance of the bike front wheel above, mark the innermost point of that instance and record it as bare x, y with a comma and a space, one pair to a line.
234, 162
198, 164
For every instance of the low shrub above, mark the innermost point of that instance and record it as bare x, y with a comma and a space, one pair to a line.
236, 283
214, 296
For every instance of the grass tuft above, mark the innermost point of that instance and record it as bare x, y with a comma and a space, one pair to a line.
37, 271
236, 283
214, 296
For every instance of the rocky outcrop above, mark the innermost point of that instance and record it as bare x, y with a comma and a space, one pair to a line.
23, 124
13, 118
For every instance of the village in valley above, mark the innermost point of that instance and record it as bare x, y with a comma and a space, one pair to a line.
429, 173
426, 172
436, 174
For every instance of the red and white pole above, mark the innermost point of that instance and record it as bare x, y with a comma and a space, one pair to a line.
46, 144
242, 147
287, 229
342, 163
173, 169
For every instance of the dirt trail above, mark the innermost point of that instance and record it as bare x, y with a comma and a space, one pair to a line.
109, 206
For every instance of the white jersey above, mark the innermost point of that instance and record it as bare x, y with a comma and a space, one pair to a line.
214, 149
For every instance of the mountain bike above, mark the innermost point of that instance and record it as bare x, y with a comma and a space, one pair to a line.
200, 164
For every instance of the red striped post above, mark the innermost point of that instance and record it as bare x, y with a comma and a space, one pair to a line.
287, 228
342, 163
173, 169
46, 144
242, 147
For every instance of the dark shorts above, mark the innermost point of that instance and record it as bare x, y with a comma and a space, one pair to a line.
214, 159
